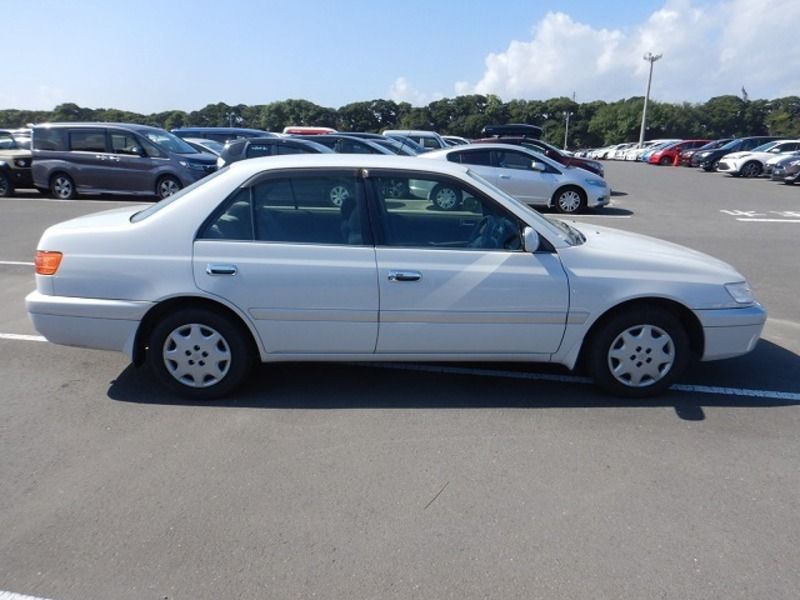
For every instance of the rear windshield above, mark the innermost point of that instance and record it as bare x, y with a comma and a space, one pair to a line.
151, 210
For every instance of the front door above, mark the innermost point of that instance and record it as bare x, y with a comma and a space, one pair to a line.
302, 269
458, 282
131, 168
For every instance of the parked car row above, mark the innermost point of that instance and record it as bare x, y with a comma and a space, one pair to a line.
750, 156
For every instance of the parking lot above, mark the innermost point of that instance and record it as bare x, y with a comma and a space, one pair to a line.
415, 481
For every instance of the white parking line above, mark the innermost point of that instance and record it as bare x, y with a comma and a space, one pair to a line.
21, 337
754, 220
16, 262
13, 596
678, 387
601, 216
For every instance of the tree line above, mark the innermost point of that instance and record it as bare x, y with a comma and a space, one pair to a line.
591, 124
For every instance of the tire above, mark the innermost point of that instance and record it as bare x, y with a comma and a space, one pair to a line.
6, 187
751, 169
658, 347
665, 161
569, 200
199, 353
338, 194
445, 197
62, 186
166, 186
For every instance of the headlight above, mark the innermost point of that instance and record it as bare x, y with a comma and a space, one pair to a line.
794, 163
220, 162
703, 154
596, 182
22, 162
191, 165
740, 292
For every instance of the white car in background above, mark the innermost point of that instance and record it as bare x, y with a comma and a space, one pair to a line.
619, 152
636, 151
429, 140
751, 163
253, 264
528, 176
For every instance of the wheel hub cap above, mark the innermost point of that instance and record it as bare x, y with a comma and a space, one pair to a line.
339, 194
446, 198
569, 201
196, 355
641, 355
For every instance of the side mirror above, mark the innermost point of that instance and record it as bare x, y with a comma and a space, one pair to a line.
530, 239
139, 151
537, 166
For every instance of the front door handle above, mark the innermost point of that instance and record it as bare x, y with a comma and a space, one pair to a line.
505, 176
405, 275
221, 269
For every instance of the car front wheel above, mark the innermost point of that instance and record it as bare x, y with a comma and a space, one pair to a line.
199, 353
751, 169
167, 186
569, 200
638, 353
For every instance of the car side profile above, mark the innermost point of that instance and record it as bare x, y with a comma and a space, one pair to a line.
751, 163
114, 158
253, 264
708, 159
526, 175
272, 146
549, 151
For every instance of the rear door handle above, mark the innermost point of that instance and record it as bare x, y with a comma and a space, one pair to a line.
405, 275
221, 269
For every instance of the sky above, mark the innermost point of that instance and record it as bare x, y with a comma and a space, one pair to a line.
156, 55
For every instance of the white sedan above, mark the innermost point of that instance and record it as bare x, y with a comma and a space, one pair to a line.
254, 264
751, 163
528, 176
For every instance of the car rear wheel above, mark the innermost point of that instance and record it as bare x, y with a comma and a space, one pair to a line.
62, 186
445, 197
638, 353
6, 189
751, 169
569, 200
199, 353
338, 194
167, 186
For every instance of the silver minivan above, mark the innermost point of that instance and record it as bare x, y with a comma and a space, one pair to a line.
114, 158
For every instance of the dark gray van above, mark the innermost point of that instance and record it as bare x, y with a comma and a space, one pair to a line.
114, 158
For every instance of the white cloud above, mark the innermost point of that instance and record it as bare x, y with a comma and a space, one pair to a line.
707, 51
402, 91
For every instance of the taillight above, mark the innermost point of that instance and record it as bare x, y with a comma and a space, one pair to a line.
47, 262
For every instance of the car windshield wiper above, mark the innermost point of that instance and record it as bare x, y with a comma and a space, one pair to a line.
574, 236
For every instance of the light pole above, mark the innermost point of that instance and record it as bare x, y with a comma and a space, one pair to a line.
651, 58
566, 128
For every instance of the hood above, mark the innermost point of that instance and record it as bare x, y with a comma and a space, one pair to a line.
203, 158
12, 154
623, 250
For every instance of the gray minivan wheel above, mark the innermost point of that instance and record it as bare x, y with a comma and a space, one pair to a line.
167, 186
62, 186
6, 188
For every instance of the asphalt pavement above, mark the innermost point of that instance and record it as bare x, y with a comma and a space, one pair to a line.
415, 481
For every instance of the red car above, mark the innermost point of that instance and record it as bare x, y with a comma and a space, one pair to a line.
671, 155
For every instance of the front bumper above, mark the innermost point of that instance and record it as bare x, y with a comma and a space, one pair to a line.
86, 322
730, 332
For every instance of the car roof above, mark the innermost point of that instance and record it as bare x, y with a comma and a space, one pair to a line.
532, 153
252, 166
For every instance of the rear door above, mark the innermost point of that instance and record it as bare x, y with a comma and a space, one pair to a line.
516, 177
92, 163
304, 271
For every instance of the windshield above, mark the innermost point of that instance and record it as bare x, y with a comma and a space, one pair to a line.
7, 142
562, 230
764, 147
169, 142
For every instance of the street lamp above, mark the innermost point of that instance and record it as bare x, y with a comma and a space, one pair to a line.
566, 128
651, 58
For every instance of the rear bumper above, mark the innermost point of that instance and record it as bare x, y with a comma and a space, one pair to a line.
86, 322
731, 332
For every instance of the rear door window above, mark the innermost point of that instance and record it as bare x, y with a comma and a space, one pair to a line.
87, 140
